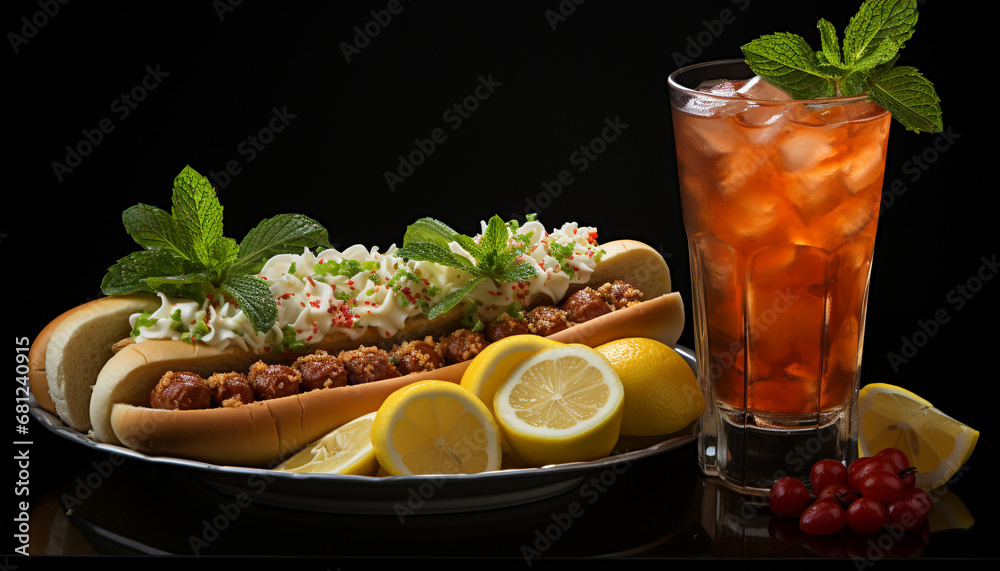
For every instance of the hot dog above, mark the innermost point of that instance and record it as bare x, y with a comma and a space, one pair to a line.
265, 431
120, 367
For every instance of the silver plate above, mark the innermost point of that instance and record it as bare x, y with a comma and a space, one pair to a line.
445, 493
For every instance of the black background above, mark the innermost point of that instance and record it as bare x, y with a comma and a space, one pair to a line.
225, 69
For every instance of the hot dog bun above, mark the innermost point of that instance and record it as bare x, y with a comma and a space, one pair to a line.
266, 431
66, 357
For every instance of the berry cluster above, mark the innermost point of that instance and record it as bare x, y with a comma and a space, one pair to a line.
873, 492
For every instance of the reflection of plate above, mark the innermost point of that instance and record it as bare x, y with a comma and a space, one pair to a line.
369, 495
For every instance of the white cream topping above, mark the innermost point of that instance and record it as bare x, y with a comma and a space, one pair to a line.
373, 290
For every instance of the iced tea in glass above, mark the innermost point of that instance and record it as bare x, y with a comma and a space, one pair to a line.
780, 201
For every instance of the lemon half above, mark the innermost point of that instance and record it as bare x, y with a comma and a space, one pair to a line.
435, 427
494, 364
346, 450
935, 443
561, 405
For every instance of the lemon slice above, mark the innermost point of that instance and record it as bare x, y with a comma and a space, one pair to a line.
661, 392
494, 364
346, 450
435, 427
935, 443
561, 405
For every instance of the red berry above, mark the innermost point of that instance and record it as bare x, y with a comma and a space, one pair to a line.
788, 496
865, 516
882, 486
838, 493
896, 456
852, 470
920, 499
873, 465
826, 472
822, 518
903, 514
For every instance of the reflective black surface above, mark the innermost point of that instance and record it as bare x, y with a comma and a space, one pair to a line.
222, 77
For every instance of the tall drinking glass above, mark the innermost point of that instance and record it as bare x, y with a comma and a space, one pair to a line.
780, 201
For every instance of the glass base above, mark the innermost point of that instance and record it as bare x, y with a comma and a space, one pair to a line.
750, 451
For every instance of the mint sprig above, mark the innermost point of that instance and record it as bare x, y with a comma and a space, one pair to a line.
862, 64
186, 255
428, 240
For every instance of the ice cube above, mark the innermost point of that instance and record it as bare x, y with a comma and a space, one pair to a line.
723, 87
757, 88
759, 215
867, 165
715, 137
805, 148
725, 105
852, 217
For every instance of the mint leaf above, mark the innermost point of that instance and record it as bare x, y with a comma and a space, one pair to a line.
253, 297
429, 230
494, 243
470, 246
909, 97
519, 272
284, 233
786, 61
439, 255
185, 253
152, 227
452, 299
196, 210
225, 252
830, 43
876, 21
886, 51
872, 42
130, 274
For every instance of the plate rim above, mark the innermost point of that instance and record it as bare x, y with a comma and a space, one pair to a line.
56, 426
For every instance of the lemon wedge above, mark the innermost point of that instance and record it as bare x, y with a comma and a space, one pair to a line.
661, 392
435, 427
561, 405
346, 450
935, 443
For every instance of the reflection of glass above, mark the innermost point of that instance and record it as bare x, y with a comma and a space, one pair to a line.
780, 201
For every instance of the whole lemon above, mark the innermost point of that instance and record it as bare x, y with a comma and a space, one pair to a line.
661, 393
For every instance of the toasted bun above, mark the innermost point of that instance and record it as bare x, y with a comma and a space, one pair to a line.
267, 431
70, 351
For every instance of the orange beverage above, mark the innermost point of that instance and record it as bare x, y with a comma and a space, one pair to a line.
780, 201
